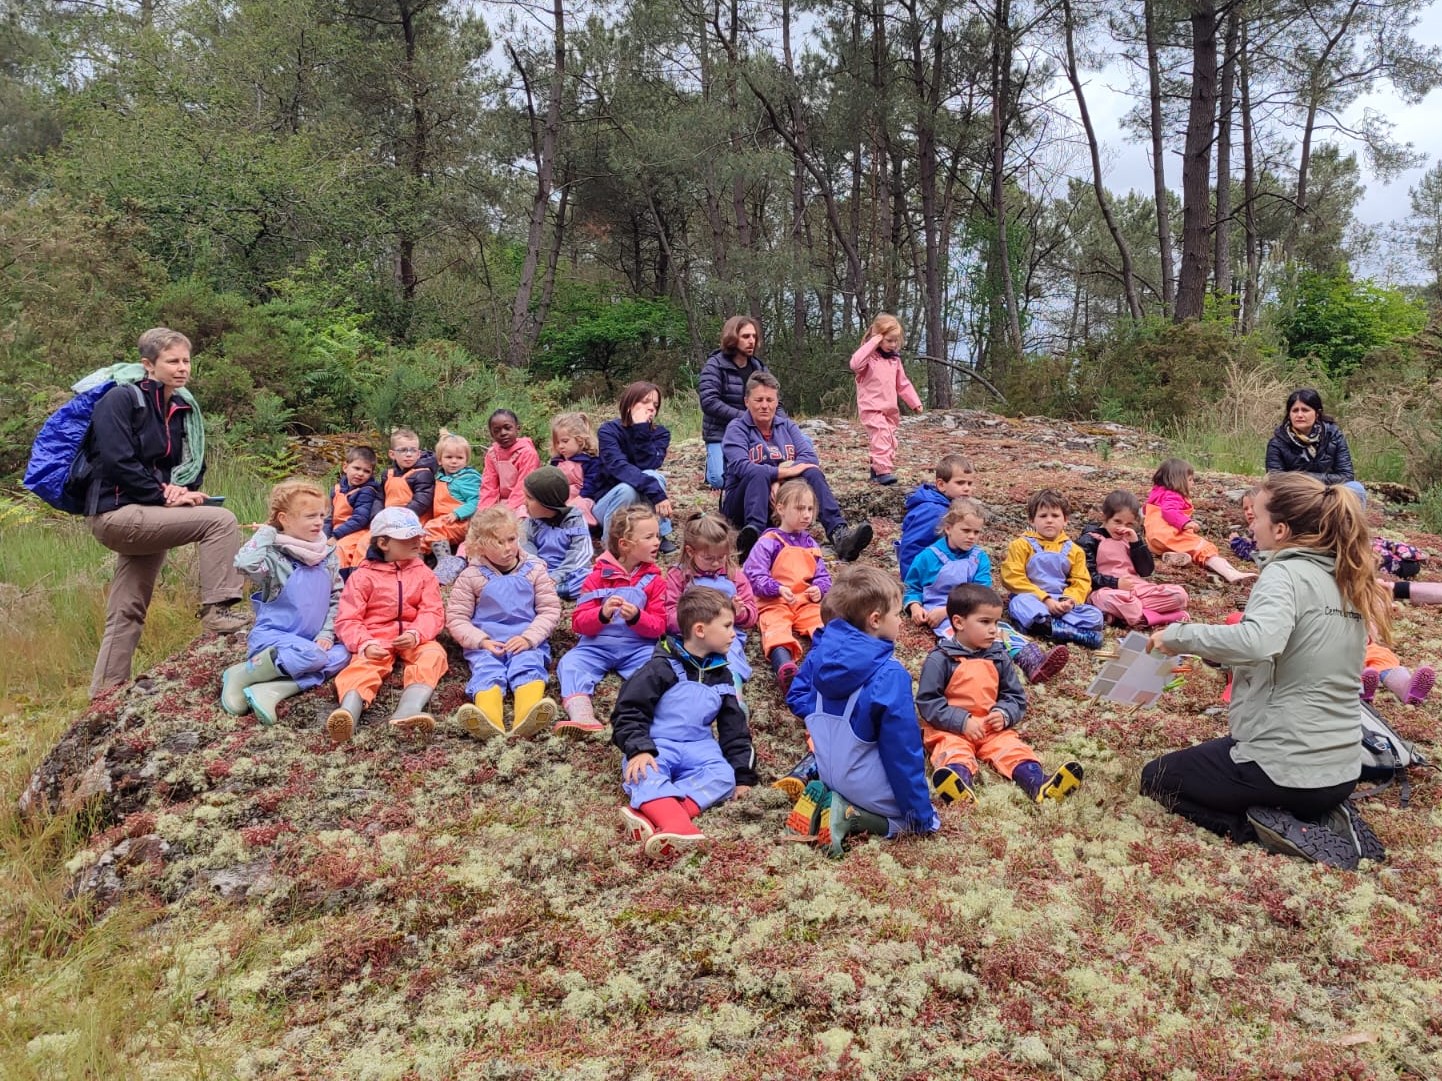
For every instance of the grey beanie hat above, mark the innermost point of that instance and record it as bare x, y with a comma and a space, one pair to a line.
549, 487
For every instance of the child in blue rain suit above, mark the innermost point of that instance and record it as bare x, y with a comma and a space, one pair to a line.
555, 533
501, 612
619, 616
674, 767
292, 646
1046, 573
855, 697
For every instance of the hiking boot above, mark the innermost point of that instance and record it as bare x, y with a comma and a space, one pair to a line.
340, 725
636, 826
1039, 665
848, 819
224, 618
1421, 685
1369, 845
1061, 784
850, 541
1283, 832
410, 715
258, 669
1370, 678
886, 480
953, 784
746, 540
668, 546
1062, 633
795, 782
580, 719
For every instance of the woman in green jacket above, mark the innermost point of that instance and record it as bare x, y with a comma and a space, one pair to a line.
1294, 753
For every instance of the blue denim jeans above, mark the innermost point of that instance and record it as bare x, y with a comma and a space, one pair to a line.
623, 495
715, 466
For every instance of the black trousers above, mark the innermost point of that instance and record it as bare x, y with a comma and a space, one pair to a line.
1204, 785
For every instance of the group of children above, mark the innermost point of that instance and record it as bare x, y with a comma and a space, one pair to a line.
347, 595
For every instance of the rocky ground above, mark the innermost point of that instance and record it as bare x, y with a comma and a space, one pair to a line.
467, 910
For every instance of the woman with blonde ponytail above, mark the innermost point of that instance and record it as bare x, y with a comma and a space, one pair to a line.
1294, 753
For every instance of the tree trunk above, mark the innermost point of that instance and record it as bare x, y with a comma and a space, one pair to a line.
1129, 285
1159, 161
926, 79
1252, 287
1197, 163
1222, 236
801, 251
1010, 318
544, 139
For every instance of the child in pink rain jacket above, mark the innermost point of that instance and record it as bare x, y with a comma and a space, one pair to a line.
880, 381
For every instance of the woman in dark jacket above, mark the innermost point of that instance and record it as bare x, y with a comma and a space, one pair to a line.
722, 389
1309, 441
145, 499
632, 448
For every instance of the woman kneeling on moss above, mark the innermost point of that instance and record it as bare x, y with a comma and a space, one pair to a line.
1294, 754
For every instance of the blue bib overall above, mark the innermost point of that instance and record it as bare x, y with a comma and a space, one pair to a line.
1049, 572
618, 648
689, 761
954, 571
290, 622
505, 608
850, 765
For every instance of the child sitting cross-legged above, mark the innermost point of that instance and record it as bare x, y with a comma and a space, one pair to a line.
292, 646
555, 532
855, 697
789, 579
970, 700
390, 610
1046, 574
674, 767
1120, 562
501, 612
619, 616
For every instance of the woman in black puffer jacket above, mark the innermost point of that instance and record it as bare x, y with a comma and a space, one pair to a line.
1309, 441
722, 388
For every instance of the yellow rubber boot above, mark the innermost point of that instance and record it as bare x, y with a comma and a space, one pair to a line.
534, 711
484, 719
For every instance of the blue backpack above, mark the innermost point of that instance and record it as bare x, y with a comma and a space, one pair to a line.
60, 471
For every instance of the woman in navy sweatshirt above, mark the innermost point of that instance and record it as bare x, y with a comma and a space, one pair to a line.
632, 449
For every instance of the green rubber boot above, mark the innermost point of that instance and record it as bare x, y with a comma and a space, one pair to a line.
265, 697
848, 819
258, 669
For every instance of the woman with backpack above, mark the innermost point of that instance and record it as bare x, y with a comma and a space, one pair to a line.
1294, 753
146, 454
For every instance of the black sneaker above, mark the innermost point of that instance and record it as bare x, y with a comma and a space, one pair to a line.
1281, 831
886, 480
851, 541
668, 546
746, 540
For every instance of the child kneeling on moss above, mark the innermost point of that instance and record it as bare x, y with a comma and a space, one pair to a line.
856, 699
674, 767
970, 701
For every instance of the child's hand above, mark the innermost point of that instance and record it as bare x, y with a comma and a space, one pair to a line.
324, 642
407, 640
995, 721
494, 648
975, 727
375, 651
609, 607
741, 791
919, 615
936, 617
628, 611
1126, 582
813, 593
1054, 607
446, 519
638, 767
1191, 527
516, 644
786, 594
1128, 535
1065, 604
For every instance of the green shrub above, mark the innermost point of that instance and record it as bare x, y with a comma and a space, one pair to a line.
1340, 320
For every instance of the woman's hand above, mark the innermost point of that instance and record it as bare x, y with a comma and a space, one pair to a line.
638, 767
1155, 644
664, 508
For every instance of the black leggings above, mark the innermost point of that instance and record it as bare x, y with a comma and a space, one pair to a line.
1204, 785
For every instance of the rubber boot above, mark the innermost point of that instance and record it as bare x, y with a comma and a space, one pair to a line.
1162, 619
410, 715
795, 782
810, 812
448, 566
1420, 686
1060, 632
1370, 678
783, 666
340, 725
953, 784
265, 697
258, 669
848, 819
483, 718
675, 832
580, 719
1040, 665
534, 712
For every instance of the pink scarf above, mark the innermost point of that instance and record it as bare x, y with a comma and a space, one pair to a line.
311, 553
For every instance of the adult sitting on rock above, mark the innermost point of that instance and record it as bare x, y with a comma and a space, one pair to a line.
1309, 441
146, 452
1294, 752
762, 449
722, 389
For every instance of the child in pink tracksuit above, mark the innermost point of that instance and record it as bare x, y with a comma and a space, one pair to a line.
1120, 563
880, 381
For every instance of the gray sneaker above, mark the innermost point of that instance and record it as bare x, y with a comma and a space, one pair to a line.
1281, 831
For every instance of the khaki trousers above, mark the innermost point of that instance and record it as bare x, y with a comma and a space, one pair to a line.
142, 536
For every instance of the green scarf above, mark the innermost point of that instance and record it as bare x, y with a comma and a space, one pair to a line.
192, 456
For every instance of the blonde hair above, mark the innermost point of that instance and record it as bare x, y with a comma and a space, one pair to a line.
622, 525
446, 438
792, 490
958, 510
573, 424
1329, 517
706, 530
487, 523
883, 325
284, 495
402, 433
